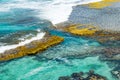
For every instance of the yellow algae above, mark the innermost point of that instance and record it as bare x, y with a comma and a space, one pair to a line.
82, 30
111, 0
93, 32
102, 4
37, 46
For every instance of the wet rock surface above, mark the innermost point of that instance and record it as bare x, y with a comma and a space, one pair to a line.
31, 48
107, 17
91, 75
86, 30
111, 51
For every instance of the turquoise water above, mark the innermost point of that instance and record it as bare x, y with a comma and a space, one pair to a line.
60, 60
73, 46
17, 24
56, 61
29, 68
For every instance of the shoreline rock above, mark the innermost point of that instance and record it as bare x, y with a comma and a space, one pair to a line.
107, 18
91, 75
103, 36
32, 48
111, 51
109, 39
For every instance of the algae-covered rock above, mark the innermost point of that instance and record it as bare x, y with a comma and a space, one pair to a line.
82, 30
31, 48
102, 4
92, 32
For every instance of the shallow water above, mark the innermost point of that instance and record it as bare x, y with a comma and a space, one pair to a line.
50, 69
72, 46
56, 61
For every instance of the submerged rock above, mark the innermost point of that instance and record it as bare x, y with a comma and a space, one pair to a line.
116, 74
110, 53
65, 78
75, 75
31, 48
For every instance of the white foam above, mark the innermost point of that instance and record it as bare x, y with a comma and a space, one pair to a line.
8, 47
33, 72
60, 10
54, 10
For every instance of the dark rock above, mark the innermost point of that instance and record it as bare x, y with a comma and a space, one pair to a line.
96, 77
78, 78
65, 78
91, 72
81, 76
81, 73
111, 53
75, 75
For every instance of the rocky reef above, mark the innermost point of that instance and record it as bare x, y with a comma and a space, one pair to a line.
91, 75
31, 48
110, 41
112, 52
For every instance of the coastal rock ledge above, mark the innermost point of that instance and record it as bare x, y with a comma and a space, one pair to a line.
102, 36
91, 75
32, 48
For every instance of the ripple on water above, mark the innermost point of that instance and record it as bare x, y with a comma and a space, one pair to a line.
72, 46
52, 69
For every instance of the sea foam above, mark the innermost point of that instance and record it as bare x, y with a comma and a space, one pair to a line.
55, 11
8, 47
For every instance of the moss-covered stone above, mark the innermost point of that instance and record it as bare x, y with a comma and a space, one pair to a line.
31, 48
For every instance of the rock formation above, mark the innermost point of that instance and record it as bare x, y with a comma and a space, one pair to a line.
31, 48
83, 76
